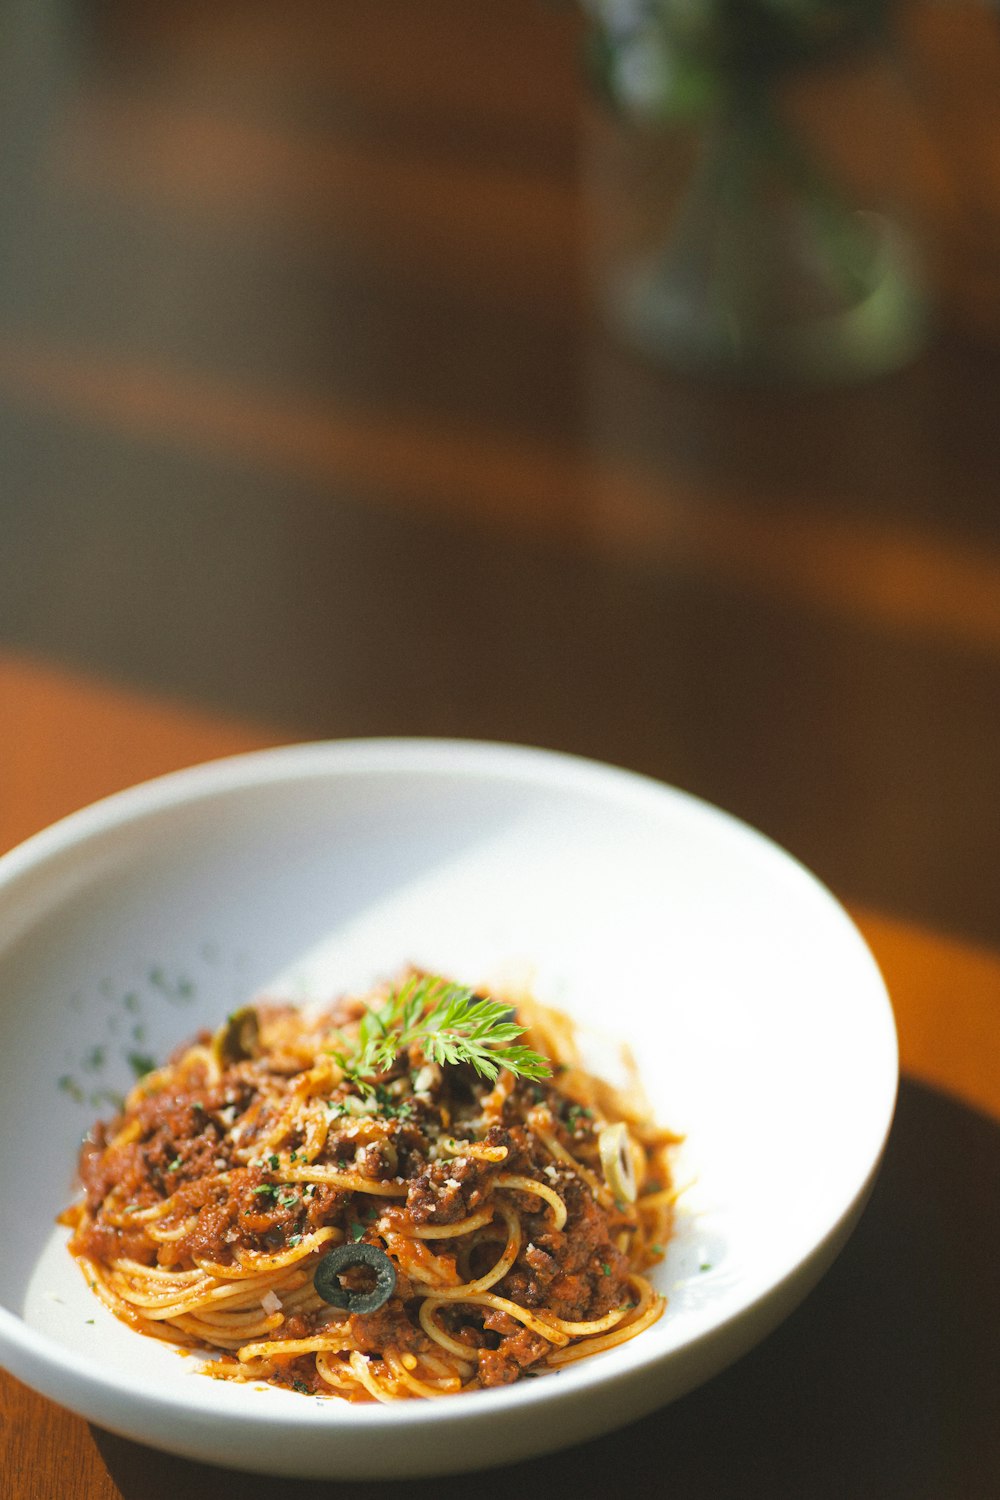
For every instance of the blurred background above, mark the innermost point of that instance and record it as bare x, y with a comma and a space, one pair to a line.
332, 397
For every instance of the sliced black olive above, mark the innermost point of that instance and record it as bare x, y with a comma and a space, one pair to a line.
327, 1283
239, 1037
616, 1161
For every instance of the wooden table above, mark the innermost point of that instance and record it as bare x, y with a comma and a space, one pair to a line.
308, 429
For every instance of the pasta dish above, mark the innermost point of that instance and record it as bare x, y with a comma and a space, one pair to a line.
407, 1194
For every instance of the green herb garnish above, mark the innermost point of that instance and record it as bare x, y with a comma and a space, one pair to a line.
390, 1108
141, 1063
452, 1025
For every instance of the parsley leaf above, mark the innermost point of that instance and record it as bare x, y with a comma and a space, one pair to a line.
452, 1024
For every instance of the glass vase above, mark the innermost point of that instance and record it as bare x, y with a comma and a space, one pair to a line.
759, 240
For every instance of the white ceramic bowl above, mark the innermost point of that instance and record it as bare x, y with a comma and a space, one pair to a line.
759, 1018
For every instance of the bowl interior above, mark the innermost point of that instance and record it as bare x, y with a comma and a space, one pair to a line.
756, 1013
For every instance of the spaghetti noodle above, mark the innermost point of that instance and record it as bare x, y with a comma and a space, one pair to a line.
488, 1228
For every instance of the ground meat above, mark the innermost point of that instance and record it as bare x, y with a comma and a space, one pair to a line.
377, 1160
104, 1242
504, 1365
449, 1190
322, 1205
387, 1328
580, 1273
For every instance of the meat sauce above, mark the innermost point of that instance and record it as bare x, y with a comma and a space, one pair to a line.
179, 1144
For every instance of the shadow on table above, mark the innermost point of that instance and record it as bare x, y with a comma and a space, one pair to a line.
884, 1384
